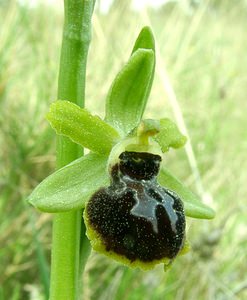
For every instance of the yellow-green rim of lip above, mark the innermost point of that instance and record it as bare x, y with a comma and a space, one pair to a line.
98, 245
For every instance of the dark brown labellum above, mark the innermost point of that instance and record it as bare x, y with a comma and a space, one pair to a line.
135, 217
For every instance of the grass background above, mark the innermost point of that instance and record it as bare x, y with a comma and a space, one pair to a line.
200, 82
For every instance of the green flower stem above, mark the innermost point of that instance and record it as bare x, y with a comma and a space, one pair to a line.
71, 86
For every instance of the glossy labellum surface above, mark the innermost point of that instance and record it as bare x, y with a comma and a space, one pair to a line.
135, 220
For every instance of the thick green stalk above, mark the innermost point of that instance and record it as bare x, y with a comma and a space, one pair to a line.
66, 244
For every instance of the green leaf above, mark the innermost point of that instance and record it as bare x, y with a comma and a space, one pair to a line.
81, 127
71, 186
169, 136
194, 208
145, 40
129, 92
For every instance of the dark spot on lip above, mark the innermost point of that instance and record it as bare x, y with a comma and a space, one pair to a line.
134, 216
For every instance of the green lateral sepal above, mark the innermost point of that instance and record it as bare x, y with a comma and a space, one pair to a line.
129, 92
81, 127
71, 186
169, 136
194, 208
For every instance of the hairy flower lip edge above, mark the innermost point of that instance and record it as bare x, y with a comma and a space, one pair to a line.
97, 242
98, 245
95, 238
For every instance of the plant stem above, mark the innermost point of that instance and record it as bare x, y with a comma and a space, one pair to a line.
66, 242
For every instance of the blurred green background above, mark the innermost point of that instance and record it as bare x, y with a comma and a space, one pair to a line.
200, 81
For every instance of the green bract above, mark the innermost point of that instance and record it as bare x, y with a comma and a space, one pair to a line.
70, 188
